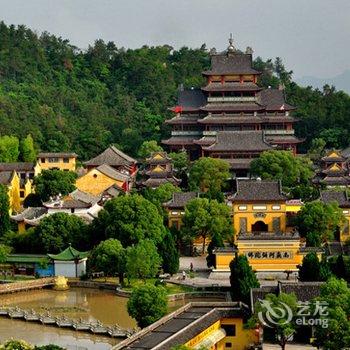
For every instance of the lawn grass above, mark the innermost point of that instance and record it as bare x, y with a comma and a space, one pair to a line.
170, 288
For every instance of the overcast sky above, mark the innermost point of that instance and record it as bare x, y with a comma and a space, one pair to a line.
312, 36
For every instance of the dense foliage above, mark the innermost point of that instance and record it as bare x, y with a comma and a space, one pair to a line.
130, 219
82, 101
4, 210
169, 254
314, 270
319, 222
284, 166
147, 304
50, 183
242, 279
205, 218
336, 294
109, 257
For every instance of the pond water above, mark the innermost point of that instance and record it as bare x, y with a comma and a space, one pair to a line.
85, 303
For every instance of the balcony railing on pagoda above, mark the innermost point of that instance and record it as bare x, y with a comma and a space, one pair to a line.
233, 99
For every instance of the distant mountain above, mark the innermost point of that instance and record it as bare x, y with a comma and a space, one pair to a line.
341, 81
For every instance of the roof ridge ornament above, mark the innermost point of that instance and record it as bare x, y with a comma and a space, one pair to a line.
230, 48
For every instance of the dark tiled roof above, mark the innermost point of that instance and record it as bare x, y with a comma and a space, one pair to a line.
232, 107
30, 213
257, 294
225, 119
180, 199
155, 182
182, 120
334, 248
304, 291
182, 325
236, 63
113, 191
20, 166
283, 139
239, 141
336, 180
180, 141
335, 196
346, 152
268, 236
205, 140
113, 157
191, 99
57, 155
259, 190
239, 163
6, 177
232, 87
112, 173
274, 100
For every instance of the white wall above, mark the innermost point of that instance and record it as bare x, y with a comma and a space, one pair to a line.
67, 268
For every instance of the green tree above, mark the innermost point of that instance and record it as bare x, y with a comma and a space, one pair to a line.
317, 147
216, 241
110, 257
242, 279
56, 231
284, 166
318, 222
4, 252
9, 149
283, 327
27, 149
180, 160
209, 175
204, 218
336, 294
169, 253
148, 147
160, 195
130, 219
54, 182
310, 270
4, 209
147, 304
16, 345
142, 260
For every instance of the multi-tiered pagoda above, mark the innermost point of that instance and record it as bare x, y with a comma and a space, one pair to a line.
231, 101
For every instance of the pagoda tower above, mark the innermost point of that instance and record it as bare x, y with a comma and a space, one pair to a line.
231, 101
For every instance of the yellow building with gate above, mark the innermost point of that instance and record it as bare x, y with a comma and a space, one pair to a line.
261, 215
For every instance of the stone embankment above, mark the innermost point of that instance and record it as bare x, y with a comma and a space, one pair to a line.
26, 285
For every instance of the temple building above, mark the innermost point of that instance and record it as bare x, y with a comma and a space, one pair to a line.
343, 200
203, 325
231, 101
261, 213
334, 169
57, 161
159, 171
116, 159
176, 207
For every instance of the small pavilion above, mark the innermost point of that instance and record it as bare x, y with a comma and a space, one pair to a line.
70, 262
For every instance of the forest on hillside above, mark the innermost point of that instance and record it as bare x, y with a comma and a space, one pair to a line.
83, 101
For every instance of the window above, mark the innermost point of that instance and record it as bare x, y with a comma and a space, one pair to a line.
345, 211
230, 330
242, 207
259, 207
21, 193
95, 175
65, 160
276, 207
53, 160
175, 224
228, 345
174, 213
42, 160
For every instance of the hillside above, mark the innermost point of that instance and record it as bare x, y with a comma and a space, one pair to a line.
83, 101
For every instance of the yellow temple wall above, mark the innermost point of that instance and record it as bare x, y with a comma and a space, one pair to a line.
61, 165
14, 194
250, 211
242, 339
345, 231
95, 182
